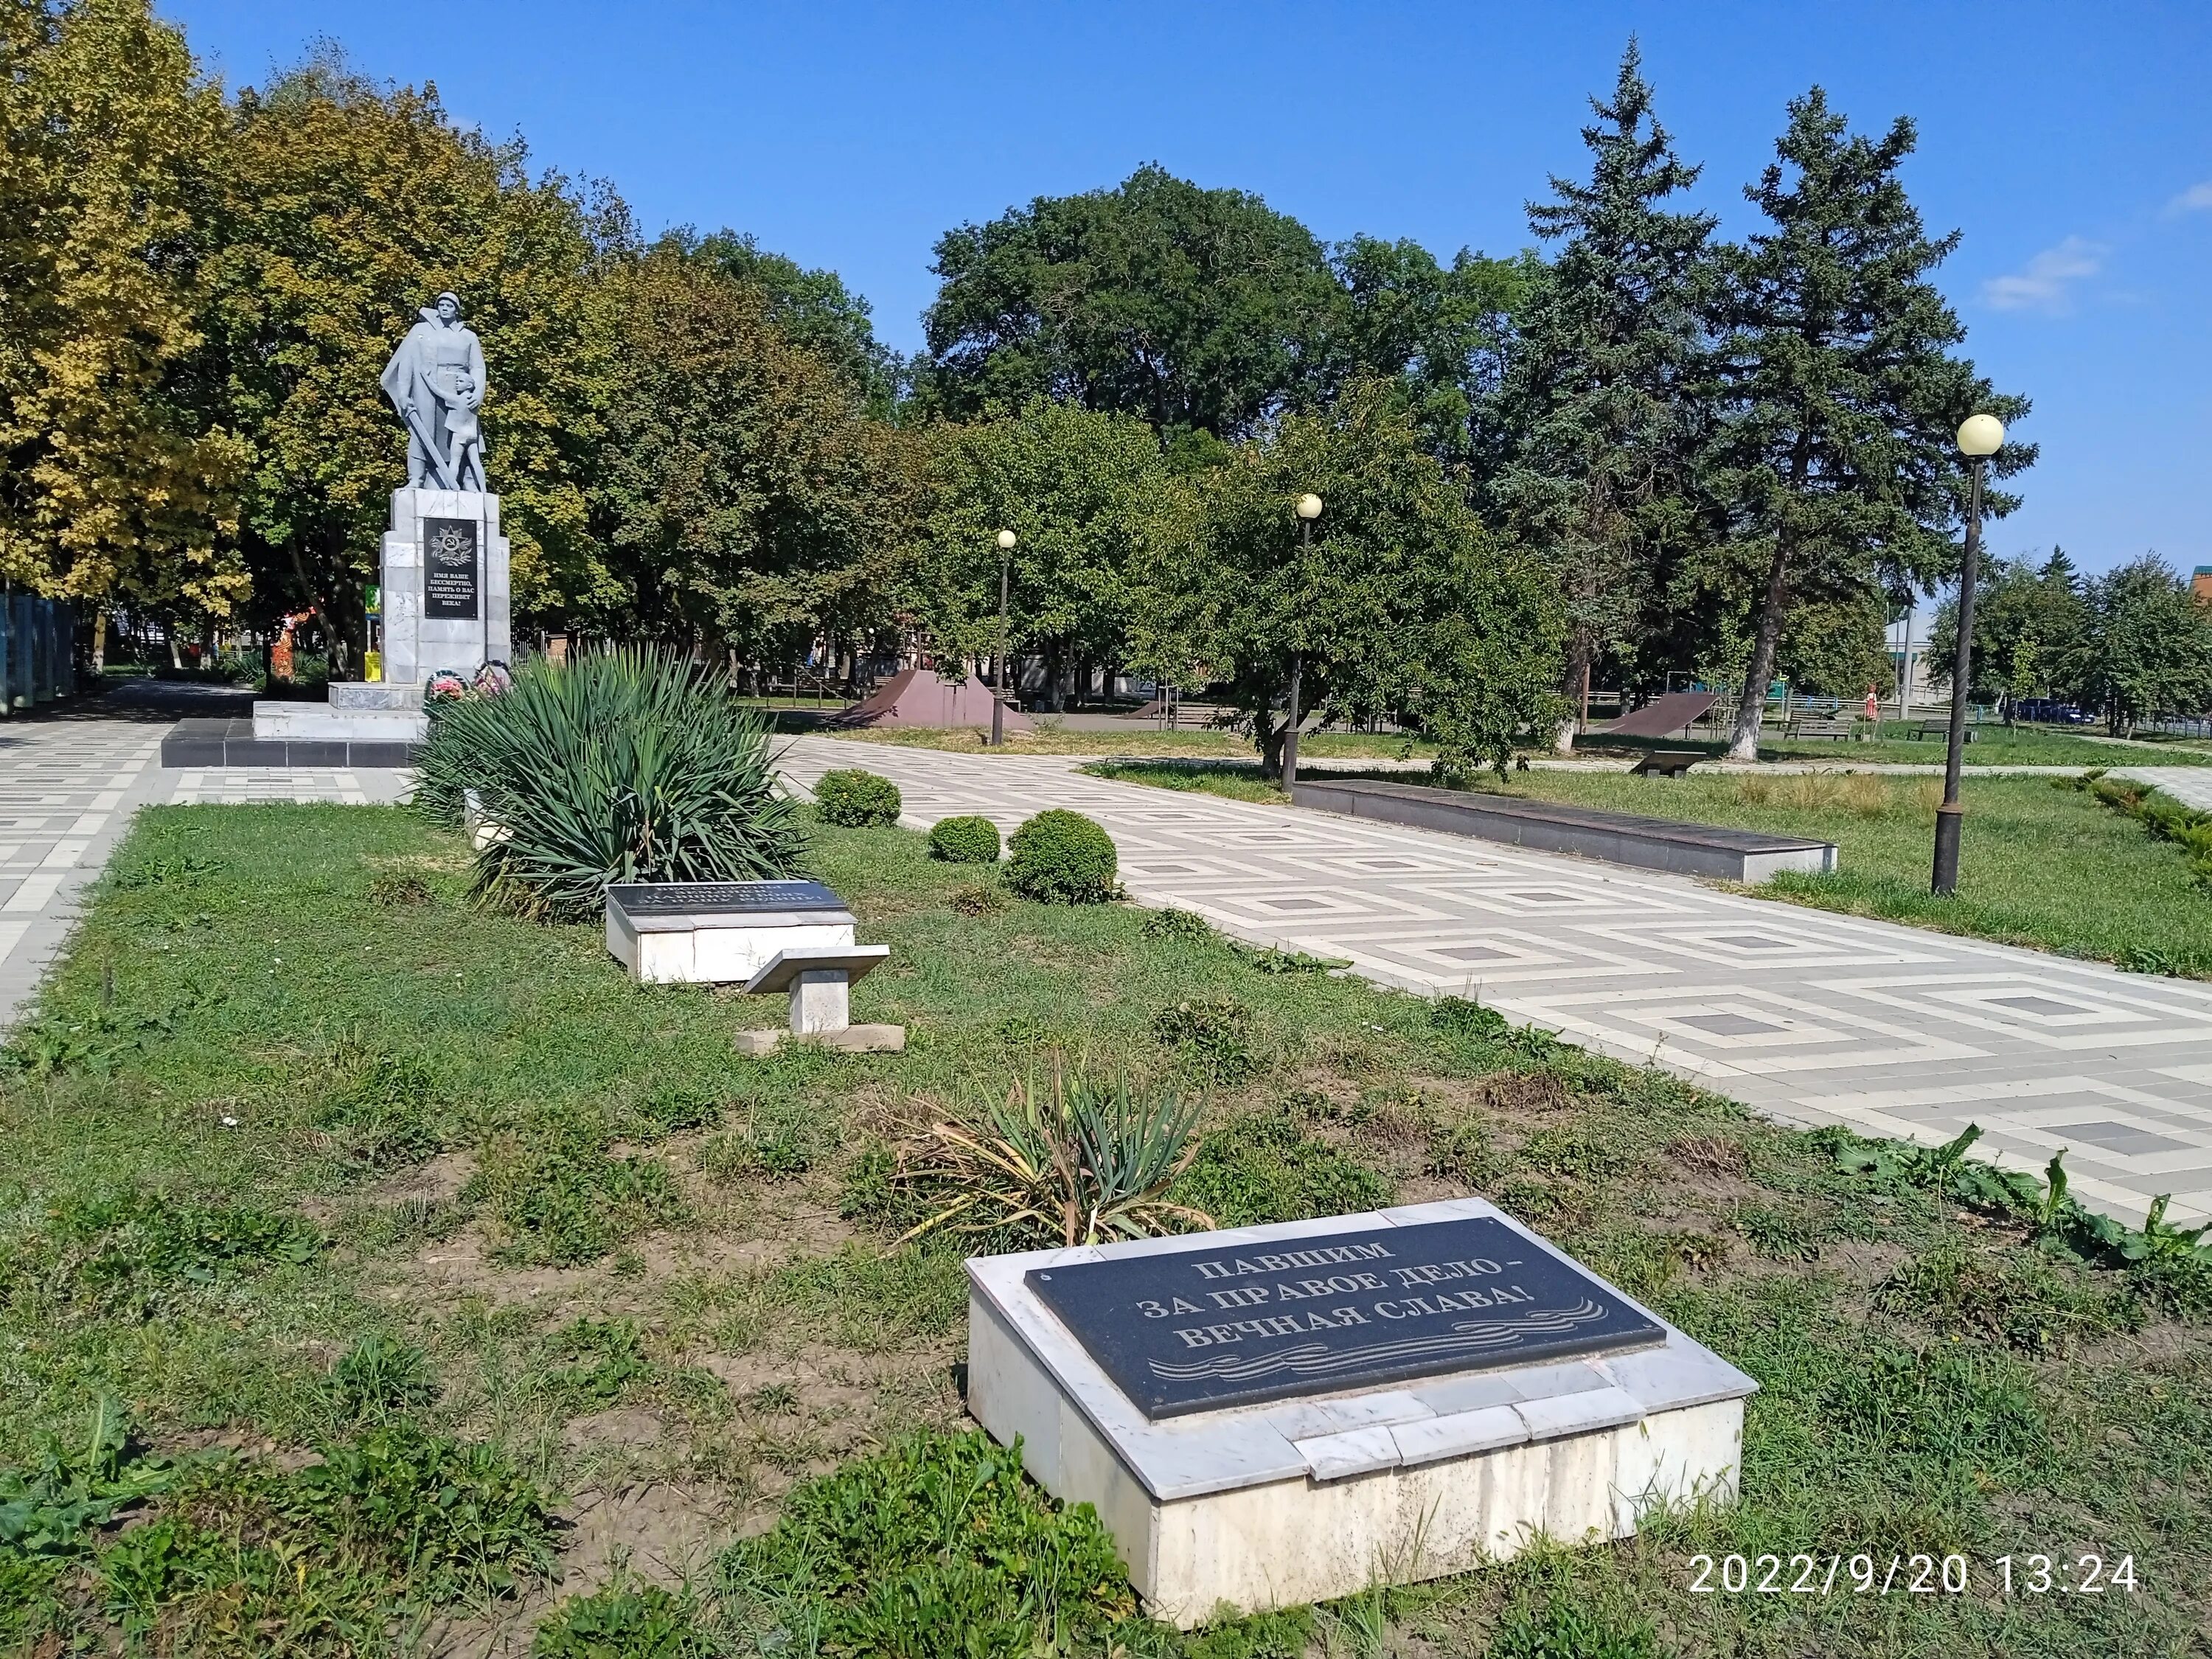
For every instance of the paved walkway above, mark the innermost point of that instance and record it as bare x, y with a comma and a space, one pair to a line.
67, 791
2189, 785
1808, 1017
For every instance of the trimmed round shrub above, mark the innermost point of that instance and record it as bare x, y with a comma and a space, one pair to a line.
856, 799
965, 840
1061, 858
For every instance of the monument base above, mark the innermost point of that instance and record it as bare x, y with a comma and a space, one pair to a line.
358, 712
1304, 1499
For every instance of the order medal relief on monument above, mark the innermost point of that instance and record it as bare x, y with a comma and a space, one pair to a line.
451, 590
1202, 1329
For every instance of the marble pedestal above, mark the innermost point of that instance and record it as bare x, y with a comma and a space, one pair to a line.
428, 582
717, 932
446, 598
1304, 1499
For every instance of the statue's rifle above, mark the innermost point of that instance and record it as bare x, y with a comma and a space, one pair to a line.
422, 430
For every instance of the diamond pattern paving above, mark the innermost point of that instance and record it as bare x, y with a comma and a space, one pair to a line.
1810, 1018
67, 789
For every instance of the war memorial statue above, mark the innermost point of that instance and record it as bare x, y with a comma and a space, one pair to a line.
441, 600
435, 380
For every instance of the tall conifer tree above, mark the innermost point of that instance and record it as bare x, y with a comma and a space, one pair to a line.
1838, 452
1601, 386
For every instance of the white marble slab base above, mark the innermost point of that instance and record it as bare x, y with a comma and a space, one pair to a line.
320, 722
1303, 1500
717, 948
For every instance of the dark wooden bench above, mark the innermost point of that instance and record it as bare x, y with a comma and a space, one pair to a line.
1940, 730
1667, 762
1841, 727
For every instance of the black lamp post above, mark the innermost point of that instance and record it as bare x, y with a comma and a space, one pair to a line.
1308, 509
1980, 436
1007, 539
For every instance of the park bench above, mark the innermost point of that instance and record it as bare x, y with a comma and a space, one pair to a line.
1940, 730
1840, 728
1667, 762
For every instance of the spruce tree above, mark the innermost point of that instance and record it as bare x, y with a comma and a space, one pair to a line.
1600, 393
1838, 451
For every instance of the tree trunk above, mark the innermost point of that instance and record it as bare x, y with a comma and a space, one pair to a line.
1760, 671
1055, 677
1267, 733
1578, 659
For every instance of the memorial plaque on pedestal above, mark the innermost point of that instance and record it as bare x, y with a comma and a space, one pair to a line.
1228, 1325
451, 591
665, 898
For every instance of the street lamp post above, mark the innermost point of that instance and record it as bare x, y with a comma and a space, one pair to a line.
1006, 540
1980, 436
1308, 509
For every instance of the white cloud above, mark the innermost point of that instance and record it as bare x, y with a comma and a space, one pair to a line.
2195, 199
2046, 282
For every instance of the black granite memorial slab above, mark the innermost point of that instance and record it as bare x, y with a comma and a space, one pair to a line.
1197, 1329
450, 585
671, 898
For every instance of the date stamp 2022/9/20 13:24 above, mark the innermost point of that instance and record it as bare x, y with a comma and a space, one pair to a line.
2078, 1573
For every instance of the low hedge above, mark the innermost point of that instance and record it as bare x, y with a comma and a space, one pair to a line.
1061, 857
857, 800
965, 840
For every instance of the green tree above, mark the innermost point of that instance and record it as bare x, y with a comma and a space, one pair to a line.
1837, 454
2031, 632
816, 311
115, 484
745, 496
1399, 605
1077, 488
2148, 645
1836, 648
347, 206
1192, 308
1441, 331
1601, 397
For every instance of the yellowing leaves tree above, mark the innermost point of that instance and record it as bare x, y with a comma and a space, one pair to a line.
347, 206
114, 485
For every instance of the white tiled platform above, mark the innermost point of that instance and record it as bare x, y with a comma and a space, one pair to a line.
1808, 1017
67, 790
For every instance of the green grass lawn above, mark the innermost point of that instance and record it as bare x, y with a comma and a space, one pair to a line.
1990, 746
2041, 863
435, 1256
1995, 745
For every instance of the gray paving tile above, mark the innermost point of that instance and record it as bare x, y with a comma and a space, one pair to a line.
1807, 1016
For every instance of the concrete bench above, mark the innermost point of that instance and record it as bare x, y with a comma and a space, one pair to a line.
1690, 849
819, 979
1667, 762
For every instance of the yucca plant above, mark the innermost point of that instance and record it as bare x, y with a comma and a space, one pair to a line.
621, 765
1073, 1163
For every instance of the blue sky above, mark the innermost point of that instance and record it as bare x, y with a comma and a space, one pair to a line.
2067, 141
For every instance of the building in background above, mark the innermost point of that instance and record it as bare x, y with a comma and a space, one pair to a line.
2201, 583
1908, 660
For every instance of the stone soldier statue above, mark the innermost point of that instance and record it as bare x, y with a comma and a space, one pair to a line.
435, 380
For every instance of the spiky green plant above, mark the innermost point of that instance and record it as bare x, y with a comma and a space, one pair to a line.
1079, 1162
621, 765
